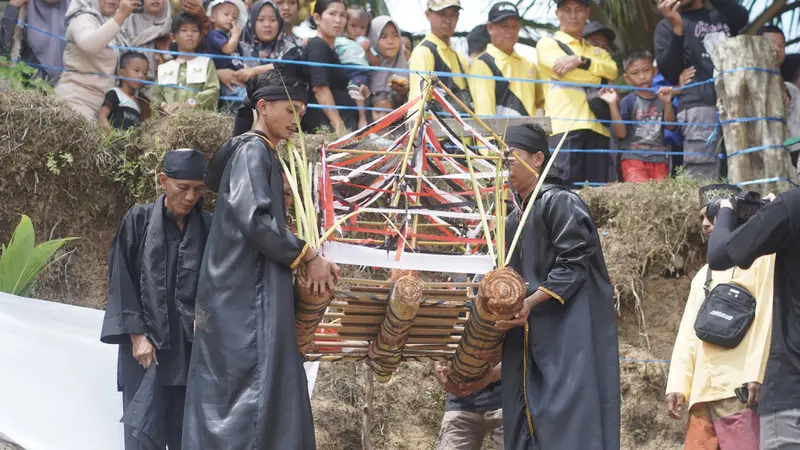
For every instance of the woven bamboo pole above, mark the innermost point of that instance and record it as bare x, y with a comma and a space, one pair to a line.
386, 351
500, 296
309, 309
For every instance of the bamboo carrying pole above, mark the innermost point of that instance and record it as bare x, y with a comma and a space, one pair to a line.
386, 351
500, 296
366, 419
309, 309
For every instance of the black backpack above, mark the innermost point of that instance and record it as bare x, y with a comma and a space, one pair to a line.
726, 314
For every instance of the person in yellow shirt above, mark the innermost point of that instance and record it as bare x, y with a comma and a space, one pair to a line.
435, 53
587, 64
703, 376
504, 98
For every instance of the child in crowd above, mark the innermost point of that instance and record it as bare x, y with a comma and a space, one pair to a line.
645, 107
186, 81
352, 49
227, 18
384, 103
120, 109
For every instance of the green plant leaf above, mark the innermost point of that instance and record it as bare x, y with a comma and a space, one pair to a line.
21, 262
15, 256
37, 262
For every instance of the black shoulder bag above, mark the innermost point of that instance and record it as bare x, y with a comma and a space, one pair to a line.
726, 314
599, 107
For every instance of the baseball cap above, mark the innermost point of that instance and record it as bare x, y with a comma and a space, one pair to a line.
241, 20
439, 5
501, 11
596, 27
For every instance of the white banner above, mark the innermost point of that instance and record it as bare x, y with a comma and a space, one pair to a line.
343, 253
58, 382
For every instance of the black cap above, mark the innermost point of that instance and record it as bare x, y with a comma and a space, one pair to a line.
596, 27
503, 10
561, 2
185, 164
715, 191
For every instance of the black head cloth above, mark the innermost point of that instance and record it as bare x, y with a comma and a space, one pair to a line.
185, 164
528, 138
244, 116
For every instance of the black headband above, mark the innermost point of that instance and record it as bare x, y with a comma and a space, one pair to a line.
244, 116
278, 93
525, 138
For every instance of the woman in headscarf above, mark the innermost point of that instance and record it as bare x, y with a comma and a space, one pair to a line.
151, 29
92, 26
37, 47
267, 38
384, 36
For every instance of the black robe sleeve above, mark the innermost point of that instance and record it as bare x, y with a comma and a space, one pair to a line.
250, 198
124, 315
765, 233
571, 232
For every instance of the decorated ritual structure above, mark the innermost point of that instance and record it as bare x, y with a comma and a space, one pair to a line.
429, 206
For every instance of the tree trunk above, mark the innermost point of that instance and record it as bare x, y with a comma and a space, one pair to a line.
752, 93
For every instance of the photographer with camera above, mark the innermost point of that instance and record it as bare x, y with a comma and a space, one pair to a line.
738, 240
718, 359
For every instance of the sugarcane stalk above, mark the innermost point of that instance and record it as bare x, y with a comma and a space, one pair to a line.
500, 296
385, 353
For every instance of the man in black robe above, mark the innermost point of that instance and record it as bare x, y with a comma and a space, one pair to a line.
152, 282
560, 360
247, 387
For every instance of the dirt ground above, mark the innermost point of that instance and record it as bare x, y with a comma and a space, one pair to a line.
646, 231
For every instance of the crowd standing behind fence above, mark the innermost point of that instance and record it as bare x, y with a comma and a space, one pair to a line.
99, 32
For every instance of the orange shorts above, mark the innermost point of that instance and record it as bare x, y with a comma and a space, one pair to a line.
640, 171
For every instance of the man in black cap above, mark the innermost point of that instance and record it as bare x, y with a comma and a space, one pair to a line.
560, 362
504, 98
152, 283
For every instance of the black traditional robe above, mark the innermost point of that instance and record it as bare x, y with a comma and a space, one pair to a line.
567, 385
133, 309
247, 387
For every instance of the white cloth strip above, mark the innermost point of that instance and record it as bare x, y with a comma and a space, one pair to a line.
343, 253
423, 212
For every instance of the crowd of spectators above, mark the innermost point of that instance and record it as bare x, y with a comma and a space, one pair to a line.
108, 70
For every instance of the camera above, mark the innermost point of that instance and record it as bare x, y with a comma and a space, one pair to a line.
745, 206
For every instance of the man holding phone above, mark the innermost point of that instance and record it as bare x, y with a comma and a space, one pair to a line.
721, 385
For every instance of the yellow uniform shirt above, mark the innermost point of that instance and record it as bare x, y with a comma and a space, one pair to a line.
704, 372
422, 59
565, 102
523, 99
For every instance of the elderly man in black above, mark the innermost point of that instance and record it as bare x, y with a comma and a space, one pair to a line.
152, 283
